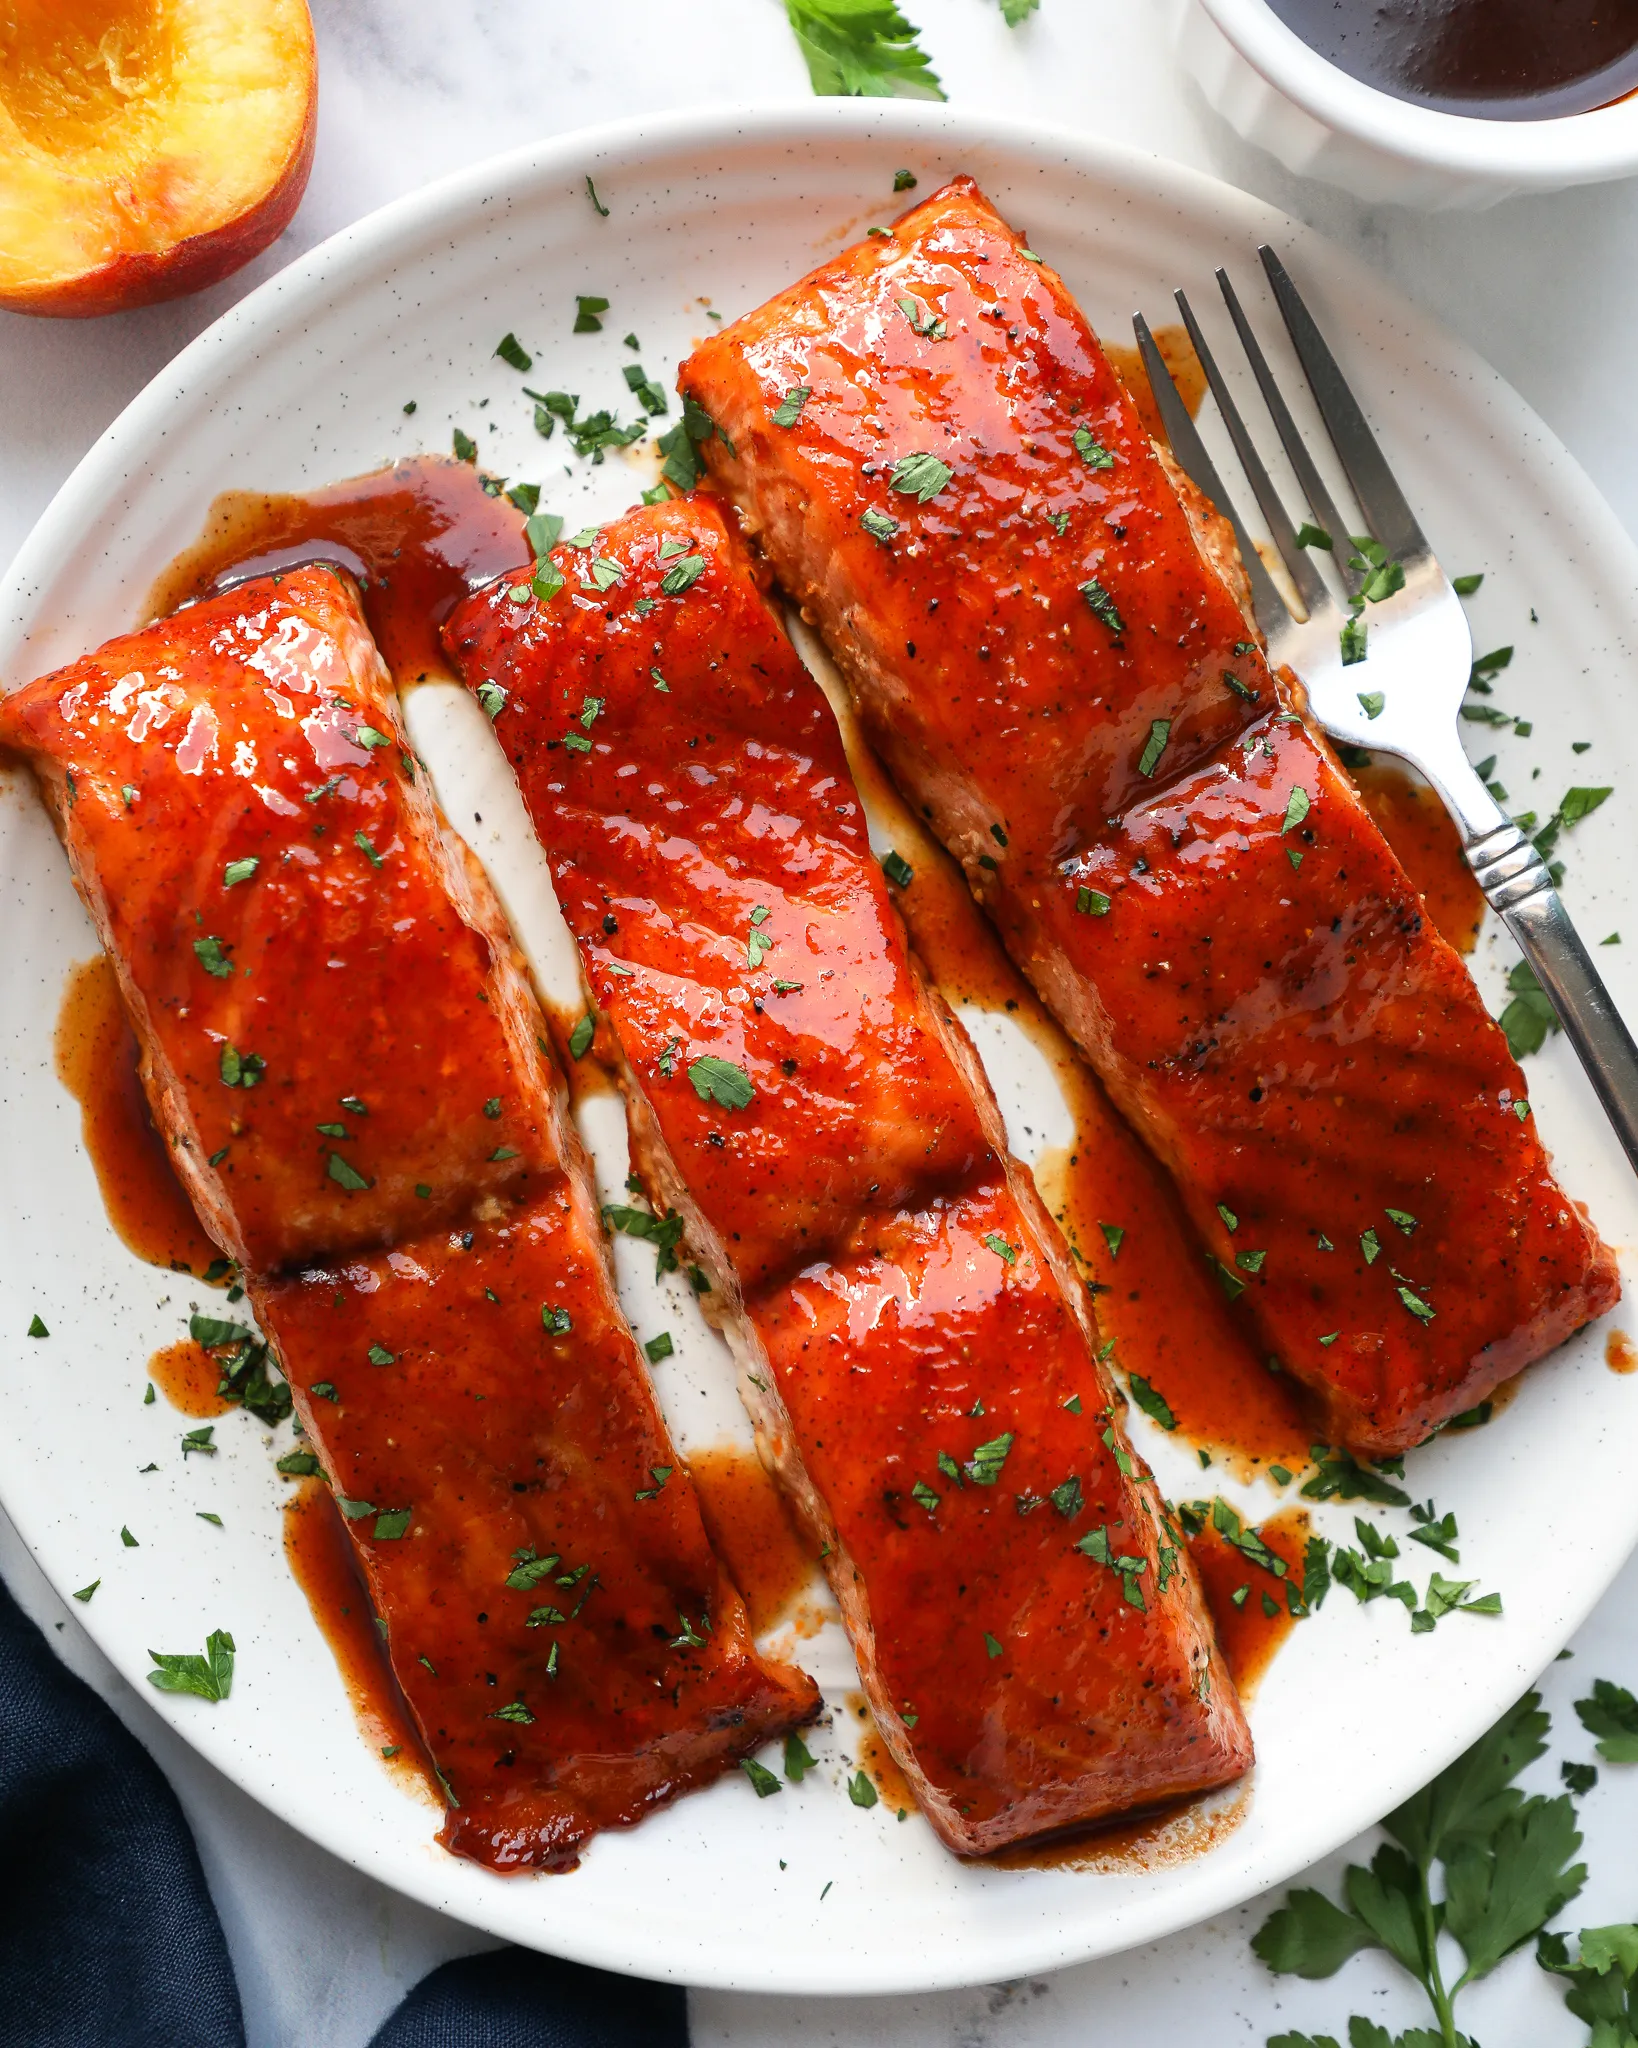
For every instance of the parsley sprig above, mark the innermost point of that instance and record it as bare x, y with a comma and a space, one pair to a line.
1504, 1865
861, 48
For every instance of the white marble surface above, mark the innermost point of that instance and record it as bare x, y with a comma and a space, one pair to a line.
412, 88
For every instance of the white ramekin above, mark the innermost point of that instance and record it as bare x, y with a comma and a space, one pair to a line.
1276, 92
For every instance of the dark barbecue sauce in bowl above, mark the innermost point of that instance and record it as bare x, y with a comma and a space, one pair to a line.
1497, 60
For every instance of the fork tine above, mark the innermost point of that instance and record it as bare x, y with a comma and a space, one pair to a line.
1310, 584
1314, 487
1380, 498
1198, 466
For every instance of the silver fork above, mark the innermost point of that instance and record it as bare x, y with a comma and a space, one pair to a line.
1398, 689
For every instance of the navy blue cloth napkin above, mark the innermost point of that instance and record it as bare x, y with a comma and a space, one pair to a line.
108, 1938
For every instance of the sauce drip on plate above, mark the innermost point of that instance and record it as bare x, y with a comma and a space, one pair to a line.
96, 1054
1421, 831
188, 1377
1251, 1628
418, 536
751, 1532
321, 1560
1499, 60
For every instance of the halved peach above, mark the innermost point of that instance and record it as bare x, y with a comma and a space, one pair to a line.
147, 147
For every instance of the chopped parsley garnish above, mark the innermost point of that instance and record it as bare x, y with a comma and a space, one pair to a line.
720, 1081
1341, 1477
347, 1176
1370, 1245
1417, 1306
391, 1525
1002, 1250
789, 409
797, 1759
466, 449
682, 575
581, 1036
658, 1347
209, 1677
240, 1069
556, 1322
897, 869
1102, 606
921, 477
543, 530
762, 1779
924, 1496
210, 956
1464, 586
200, 1440
1529, 1017
1160, 731
361, 841
1096, 1544
1296, 809
239, 871
511, 350
1066, 1497
591, 194
1091, 902
1438, 1532
380, 1355
1311, 536
1250, 1262
984, 1466
860, 1788
1250, 1545
85, 1592
529, 1569
658, 1473
1371, 702
587, 308
687, 1636
36, 1328
1352, 640
1114, 1236
879, 525
930, 326
492, 697
1385, 576
647, 393
1091, 451
1150, 1399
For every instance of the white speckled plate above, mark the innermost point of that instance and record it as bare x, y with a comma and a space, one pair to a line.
306, 382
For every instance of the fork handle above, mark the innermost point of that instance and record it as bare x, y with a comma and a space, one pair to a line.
1516, 883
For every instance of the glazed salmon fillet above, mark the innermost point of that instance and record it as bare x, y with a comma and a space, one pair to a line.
944, 471
270, 874
912, 1348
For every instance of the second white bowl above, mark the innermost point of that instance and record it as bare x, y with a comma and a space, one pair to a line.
1276, 92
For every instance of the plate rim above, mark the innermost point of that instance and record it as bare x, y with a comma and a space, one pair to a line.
324, 275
